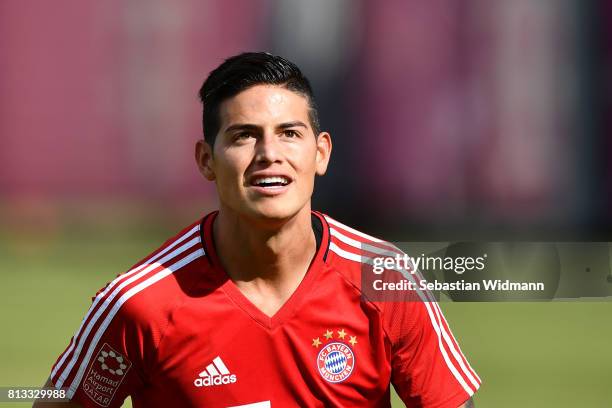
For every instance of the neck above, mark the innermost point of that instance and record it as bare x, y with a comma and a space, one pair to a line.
258, 254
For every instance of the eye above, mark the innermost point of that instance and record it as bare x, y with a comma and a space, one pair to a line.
243, 135
291, 133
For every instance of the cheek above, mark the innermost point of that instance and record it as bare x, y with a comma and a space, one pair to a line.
231, 167
304, 160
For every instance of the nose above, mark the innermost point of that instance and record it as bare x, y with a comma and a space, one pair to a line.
268, 149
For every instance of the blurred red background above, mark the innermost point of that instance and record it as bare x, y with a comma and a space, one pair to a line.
448, 118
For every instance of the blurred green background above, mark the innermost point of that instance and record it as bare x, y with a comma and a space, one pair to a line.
528, 354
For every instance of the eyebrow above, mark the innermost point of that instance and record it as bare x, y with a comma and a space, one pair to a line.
287, 125
247, 126
241, 126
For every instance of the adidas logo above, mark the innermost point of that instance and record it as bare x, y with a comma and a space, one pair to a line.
215, 373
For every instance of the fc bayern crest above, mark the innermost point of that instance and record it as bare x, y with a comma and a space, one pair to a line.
336, 362
336, 359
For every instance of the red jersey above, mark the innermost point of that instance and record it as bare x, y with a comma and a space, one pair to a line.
176, 331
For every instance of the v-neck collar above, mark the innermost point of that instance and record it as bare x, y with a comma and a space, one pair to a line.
288, 309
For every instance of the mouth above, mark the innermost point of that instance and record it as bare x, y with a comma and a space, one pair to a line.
270, 182
270, 185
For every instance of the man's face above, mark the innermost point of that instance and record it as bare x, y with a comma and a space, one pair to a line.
265, 156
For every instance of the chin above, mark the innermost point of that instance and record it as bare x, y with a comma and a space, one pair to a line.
275, 212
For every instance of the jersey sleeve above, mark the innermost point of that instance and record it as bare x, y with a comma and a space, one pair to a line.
428, 368
105, 359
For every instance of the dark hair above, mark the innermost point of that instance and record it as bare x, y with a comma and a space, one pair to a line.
243, 71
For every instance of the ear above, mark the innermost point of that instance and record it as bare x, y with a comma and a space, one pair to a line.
204, 159
324, 148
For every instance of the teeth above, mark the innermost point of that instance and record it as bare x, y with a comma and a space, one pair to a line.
269, 180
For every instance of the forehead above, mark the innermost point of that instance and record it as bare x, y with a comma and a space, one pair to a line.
264, 104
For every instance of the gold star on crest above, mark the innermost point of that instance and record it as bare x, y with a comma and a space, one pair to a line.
353, 340
316, 342
341, 333
329, 334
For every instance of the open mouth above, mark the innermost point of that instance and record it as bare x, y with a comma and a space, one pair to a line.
271, 182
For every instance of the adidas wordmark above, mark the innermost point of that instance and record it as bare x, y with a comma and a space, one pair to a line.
215, 373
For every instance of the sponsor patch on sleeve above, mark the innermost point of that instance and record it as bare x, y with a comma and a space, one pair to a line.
105, 374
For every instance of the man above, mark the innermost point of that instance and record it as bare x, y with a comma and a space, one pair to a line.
259, 304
